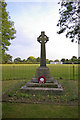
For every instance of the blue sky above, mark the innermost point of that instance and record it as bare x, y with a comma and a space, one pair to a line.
30, 18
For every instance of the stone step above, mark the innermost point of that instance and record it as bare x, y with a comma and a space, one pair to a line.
49, 85
42, 89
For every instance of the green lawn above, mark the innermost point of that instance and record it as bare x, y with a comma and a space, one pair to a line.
21, 110
62, 106
27, 71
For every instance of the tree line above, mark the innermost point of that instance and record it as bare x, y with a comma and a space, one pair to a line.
33, 60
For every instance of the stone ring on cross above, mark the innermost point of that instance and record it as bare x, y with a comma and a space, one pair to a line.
42, 38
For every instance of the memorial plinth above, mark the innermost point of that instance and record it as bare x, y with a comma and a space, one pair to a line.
42, 71
42, 79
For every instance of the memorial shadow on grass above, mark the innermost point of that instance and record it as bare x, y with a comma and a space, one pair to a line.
69, 96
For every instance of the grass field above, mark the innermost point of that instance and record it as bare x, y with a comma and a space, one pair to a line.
20, 105
21, 110
27, 71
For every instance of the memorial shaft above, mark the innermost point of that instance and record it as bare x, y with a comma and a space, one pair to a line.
43, 55
43, 39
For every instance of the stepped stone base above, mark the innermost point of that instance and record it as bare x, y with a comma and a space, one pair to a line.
50, 85
55, 87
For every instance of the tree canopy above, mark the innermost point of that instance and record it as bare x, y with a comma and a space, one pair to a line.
7, 58
18, 59
7, 30
69, 19
33, 60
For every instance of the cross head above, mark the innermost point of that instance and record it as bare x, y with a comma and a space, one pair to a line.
42, 38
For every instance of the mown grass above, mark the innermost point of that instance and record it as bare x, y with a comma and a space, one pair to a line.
64, 71
27, 71
62, 106
21, 110
18, 71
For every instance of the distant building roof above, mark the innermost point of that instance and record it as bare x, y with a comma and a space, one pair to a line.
56, 62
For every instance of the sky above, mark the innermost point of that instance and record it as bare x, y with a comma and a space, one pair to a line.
32, 17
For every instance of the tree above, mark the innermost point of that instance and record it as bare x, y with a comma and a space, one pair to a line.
23, 60
50, 61
17, 60
63, 60
69, 20
74, 59
7, 30
47, 61
31, 59
79, 60
7, 58
56, 60
38, 59
66, 60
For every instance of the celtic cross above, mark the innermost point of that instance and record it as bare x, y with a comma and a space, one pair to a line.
43, 39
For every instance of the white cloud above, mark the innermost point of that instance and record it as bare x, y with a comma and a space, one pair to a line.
29, 22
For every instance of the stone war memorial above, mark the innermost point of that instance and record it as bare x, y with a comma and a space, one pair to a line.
42, 81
